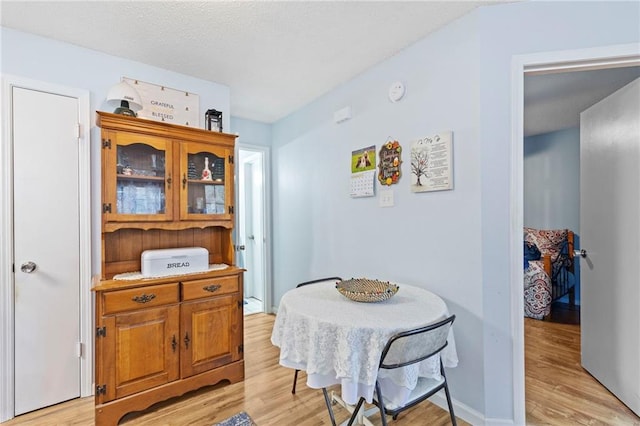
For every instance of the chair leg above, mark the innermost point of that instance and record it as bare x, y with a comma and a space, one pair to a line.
383, 413
451, 413
295, 380
354, 415
328, 402
446, 391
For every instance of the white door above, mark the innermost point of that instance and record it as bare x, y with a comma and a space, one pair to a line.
252, 222
249, 236
610, 233
46, 249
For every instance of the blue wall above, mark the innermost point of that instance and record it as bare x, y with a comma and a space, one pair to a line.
552, 180
251, 132
552, 184
455, 243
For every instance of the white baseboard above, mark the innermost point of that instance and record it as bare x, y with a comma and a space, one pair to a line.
461, 410
467, 413
497, 422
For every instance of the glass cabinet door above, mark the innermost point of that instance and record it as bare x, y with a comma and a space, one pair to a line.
138, 178
206, 175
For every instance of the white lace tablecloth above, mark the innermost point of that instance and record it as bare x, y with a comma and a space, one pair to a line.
336, 340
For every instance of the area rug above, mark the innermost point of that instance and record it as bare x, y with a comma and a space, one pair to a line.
240, 419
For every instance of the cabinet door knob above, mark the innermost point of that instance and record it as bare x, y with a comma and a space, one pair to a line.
169, 180
174, 343
186, 340
184, 181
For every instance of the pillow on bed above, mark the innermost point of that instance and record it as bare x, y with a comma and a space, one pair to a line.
548, 241
531, 252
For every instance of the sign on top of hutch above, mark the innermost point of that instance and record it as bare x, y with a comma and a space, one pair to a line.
162, 103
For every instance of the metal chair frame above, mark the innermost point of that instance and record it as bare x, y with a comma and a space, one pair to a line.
319, 280
378, 396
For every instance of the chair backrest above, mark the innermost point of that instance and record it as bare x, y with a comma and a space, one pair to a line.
319, 280
416, 345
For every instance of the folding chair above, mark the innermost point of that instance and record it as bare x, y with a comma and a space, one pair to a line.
403, 349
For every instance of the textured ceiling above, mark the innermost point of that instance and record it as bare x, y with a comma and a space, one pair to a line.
274, 56
278, 56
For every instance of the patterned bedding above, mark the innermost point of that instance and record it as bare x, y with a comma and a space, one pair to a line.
537, 291
537, 283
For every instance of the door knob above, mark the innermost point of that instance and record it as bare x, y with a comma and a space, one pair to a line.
240, 247
28, 267
251, 237
581, 253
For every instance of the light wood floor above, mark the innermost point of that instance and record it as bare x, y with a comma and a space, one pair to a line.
265, 395
558, 392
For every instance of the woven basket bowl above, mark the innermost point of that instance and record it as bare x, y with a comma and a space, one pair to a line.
365, 290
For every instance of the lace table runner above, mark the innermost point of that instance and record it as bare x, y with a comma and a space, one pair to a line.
137, 275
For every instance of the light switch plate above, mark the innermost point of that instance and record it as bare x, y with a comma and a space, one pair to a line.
385, 197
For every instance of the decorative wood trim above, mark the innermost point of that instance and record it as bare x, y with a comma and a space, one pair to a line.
119, 122
113, 285
110, 413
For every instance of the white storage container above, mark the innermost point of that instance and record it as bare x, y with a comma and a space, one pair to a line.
164, 262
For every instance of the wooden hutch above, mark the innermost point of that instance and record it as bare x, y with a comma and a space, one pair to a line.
164, 186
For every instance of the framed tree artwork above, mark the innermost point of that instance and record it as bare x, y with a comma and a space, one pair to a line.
432, 163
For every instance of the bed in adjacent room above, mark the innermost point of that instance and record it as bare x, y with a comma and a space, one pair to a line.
548, 269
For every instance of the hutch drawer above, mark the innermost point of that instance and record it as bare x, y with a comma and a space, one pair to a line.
209, 287
139, 298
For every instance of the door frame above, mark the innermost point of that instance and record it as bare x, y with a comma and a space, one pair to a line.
7, 378
556, 61
265, 151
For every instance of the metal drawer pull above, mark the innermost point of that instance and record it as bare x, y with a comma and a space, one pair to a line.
144, 298
211, 288
174, 343
187, 340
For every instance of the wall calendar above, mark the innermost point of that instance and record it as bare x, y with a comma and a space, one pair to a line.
363, 172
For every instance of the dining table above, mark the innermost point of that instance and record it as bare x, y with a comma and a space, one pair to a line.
338, 341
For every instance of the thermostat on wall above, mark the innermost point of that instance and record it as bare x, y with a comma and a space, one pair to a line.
396, 91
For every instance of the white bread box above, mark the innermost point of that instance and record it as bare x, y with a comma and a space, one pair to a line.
175, 261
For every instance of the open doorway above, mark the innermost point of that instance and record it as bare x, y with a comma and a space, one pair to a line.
252, 231
553, 102
552, 62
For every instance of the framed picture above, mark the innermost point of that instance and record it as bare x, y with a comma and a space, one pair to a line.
431, 163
